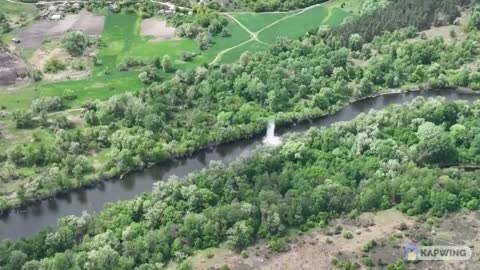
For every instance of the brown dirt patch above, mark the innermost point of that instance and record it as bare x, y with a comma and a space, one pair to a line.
158, 29
444, 31
35, 34
311, 250
12, 68
53, 50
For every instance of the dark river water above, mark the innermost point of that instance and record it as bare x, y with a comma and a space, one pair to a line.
46, 213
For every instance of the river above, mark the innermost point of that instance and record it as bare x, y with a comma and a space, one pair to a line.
30, 220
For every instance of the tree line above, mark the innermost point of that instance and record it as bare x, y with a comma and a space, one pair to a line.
400, 14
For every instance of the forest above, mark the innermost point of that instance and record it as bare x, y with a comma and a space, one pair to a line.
425, 14
294, 80
384, 159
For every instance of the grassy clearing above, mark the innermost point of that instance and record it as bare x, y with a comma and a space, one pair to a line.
120, 39
297, 25
17, 12
233, 55
257, 21
351, 6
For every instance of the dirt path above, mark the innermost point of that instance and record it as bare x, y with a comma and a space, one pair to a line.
170, 5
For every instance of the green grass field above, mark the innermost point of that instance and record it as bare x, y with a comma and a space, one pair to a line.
234, 55
16, 12
296, 26
257, 21
120, 39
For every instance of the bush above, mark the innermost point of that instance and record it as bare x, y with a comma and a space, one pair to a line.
131, 62
186, 56
368, 262
210, 255
244, 254
185, 265
278, 245
79, 65
75, 42
54, 66
47, 104
36, 75
23, 119
369, 245
347, 235
69, 94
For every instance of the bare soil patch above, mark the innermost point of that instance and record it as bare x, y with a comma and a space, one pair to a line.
445, 31
312, 251
12, 68
35, 34
158, 29
53, 50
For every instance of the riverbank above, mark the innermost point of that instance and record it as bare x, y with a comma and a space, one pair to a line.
19, 222
283, 120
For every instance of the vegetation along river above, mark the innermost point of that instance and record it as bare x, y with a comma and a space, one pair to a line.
31, 219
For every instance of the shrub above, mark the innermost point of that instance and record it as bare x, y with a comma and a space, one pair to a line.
54, 66
47, 104
278, 245
368, 246
36, 75
79, 65
368, 262
186, 56
23, 119
75, 42
131, 62
69, 94
347, 235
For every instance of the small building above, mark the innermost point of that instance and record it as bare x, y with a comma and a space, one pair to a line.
56, 17
16, 40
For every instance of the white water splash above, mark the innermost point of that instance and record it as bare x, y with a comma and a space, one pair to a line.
271, 139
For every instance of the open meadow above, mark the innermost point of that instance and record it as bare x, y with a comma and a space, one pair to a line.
295, 25
120, 39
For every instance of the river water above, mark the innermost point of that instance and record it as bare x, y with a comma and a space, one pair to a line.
30, 220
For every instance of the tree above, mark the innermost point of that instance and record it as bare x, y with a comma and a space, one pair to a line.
475, 19
435, 145
240, 235
166, 63
203, 39
104, 258
75, 42
23, 119
17, 260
